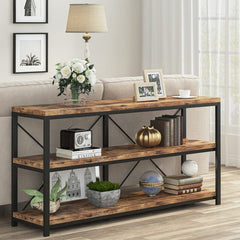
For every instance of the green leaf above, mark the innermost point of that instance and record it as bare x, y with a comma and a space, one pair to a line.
65, 196
36, 200
33, 192
53, 195
59, 194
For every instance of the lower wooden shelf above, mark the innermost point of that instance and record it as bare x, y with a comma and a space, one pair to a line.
136, 201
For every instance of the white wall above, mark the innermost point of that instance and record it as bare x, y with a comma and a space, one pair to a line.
116, 53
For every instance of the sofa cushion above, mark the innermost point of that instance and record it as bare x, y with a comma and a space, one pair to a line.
35, 92
116, 88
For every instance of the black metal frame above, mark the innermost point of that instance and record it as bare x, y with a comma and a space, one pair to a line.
105, 126
15, 13
15, 49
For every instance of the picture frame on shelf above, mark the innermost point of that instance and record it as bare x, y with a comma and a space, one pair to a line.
76, 180
30, 11
156, 75
145, 91
30, 52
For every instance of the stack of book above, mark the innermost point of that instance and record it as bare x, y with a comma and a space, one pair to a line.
171, 129
180, 184
76, 154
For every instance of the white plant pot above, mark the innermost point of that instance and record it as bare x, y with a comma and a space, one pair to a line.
54, 206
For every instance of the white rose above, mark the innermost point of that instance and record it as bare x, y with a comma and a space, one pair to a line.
81, 78
58, 76
74, 75
78, 67
91, 77
75, 60
66, 72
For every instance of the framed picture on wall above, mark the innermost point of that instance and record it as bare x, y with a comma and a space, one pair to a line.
76, 180
30, 11
145, 92
155, 75
30, 52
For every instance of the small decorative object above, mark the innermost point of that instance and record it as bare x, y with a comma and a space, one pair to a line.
190, 168
156, 76
148, 137
75, 138
30, 11
79, 75
30, 52
76, 179
103, 193
86, 18
56, 194
151, 183
184, 93
145, 92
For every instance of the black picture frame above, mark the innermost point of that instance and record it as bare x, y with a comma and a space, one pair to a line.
15, 15
16, 67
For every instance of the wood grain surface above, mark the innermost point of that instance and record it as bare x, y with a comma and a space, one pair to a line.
116, 154
82, 209
109, 105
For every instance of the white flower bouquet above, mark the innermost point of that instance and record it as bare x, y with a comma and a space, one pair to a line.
79, 74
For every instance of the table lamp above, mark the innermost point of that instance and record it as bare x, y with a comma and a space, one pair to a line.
86, 18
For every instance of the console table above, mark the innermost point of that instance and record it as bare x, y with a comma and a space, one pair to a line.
136, 202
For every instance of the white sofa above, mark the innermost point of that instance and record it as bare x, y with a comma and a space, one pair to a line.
42, 92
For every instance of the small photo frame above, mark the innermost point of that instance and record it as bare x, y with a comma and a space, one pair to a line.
30, 11
155, 75
145, 92
30, 52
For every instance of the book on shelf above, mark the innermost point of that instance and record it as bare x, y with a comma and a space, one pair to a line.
171, 129
181, 187
163, 126
182, 191
76, 154
177, 128
180, 180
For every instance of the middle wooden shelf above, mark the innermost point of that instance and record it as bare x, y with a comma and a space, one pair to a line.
116, 154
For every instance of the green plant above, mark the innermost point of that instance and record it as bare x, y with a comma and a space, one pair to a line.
103, 186
54, 195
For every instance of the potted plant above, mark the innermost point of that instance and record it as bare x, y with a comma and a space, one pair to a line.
103, 193
79, 75
55, 195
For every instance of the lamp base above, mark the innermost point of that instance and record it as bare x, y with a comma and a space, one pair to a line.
86, 37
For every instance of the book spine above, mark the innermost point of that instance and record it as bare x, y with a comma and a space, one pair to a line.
87, 155
75, 153
178, 130
190, 181
175, 132
175, 187
190, 190
171, 132
181, 130
166, 126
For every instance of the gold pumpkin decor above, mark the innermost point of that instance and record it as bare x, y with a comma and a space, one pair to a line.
148, 137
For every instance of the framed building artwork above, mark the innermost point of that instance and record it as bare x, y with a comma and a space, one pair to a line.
30, 52
155, 75
30, 11
76, 180
145, 92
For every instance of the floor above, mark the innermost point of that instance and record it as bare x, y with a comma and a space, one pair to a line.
196, 222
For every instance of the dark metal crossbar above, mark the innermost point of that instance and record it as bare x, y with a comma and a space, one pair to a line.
138, 161
33, 138
95, 122
31, 198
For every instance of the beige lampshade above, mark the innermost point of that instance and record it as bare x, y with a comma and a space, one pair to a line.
86, 18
